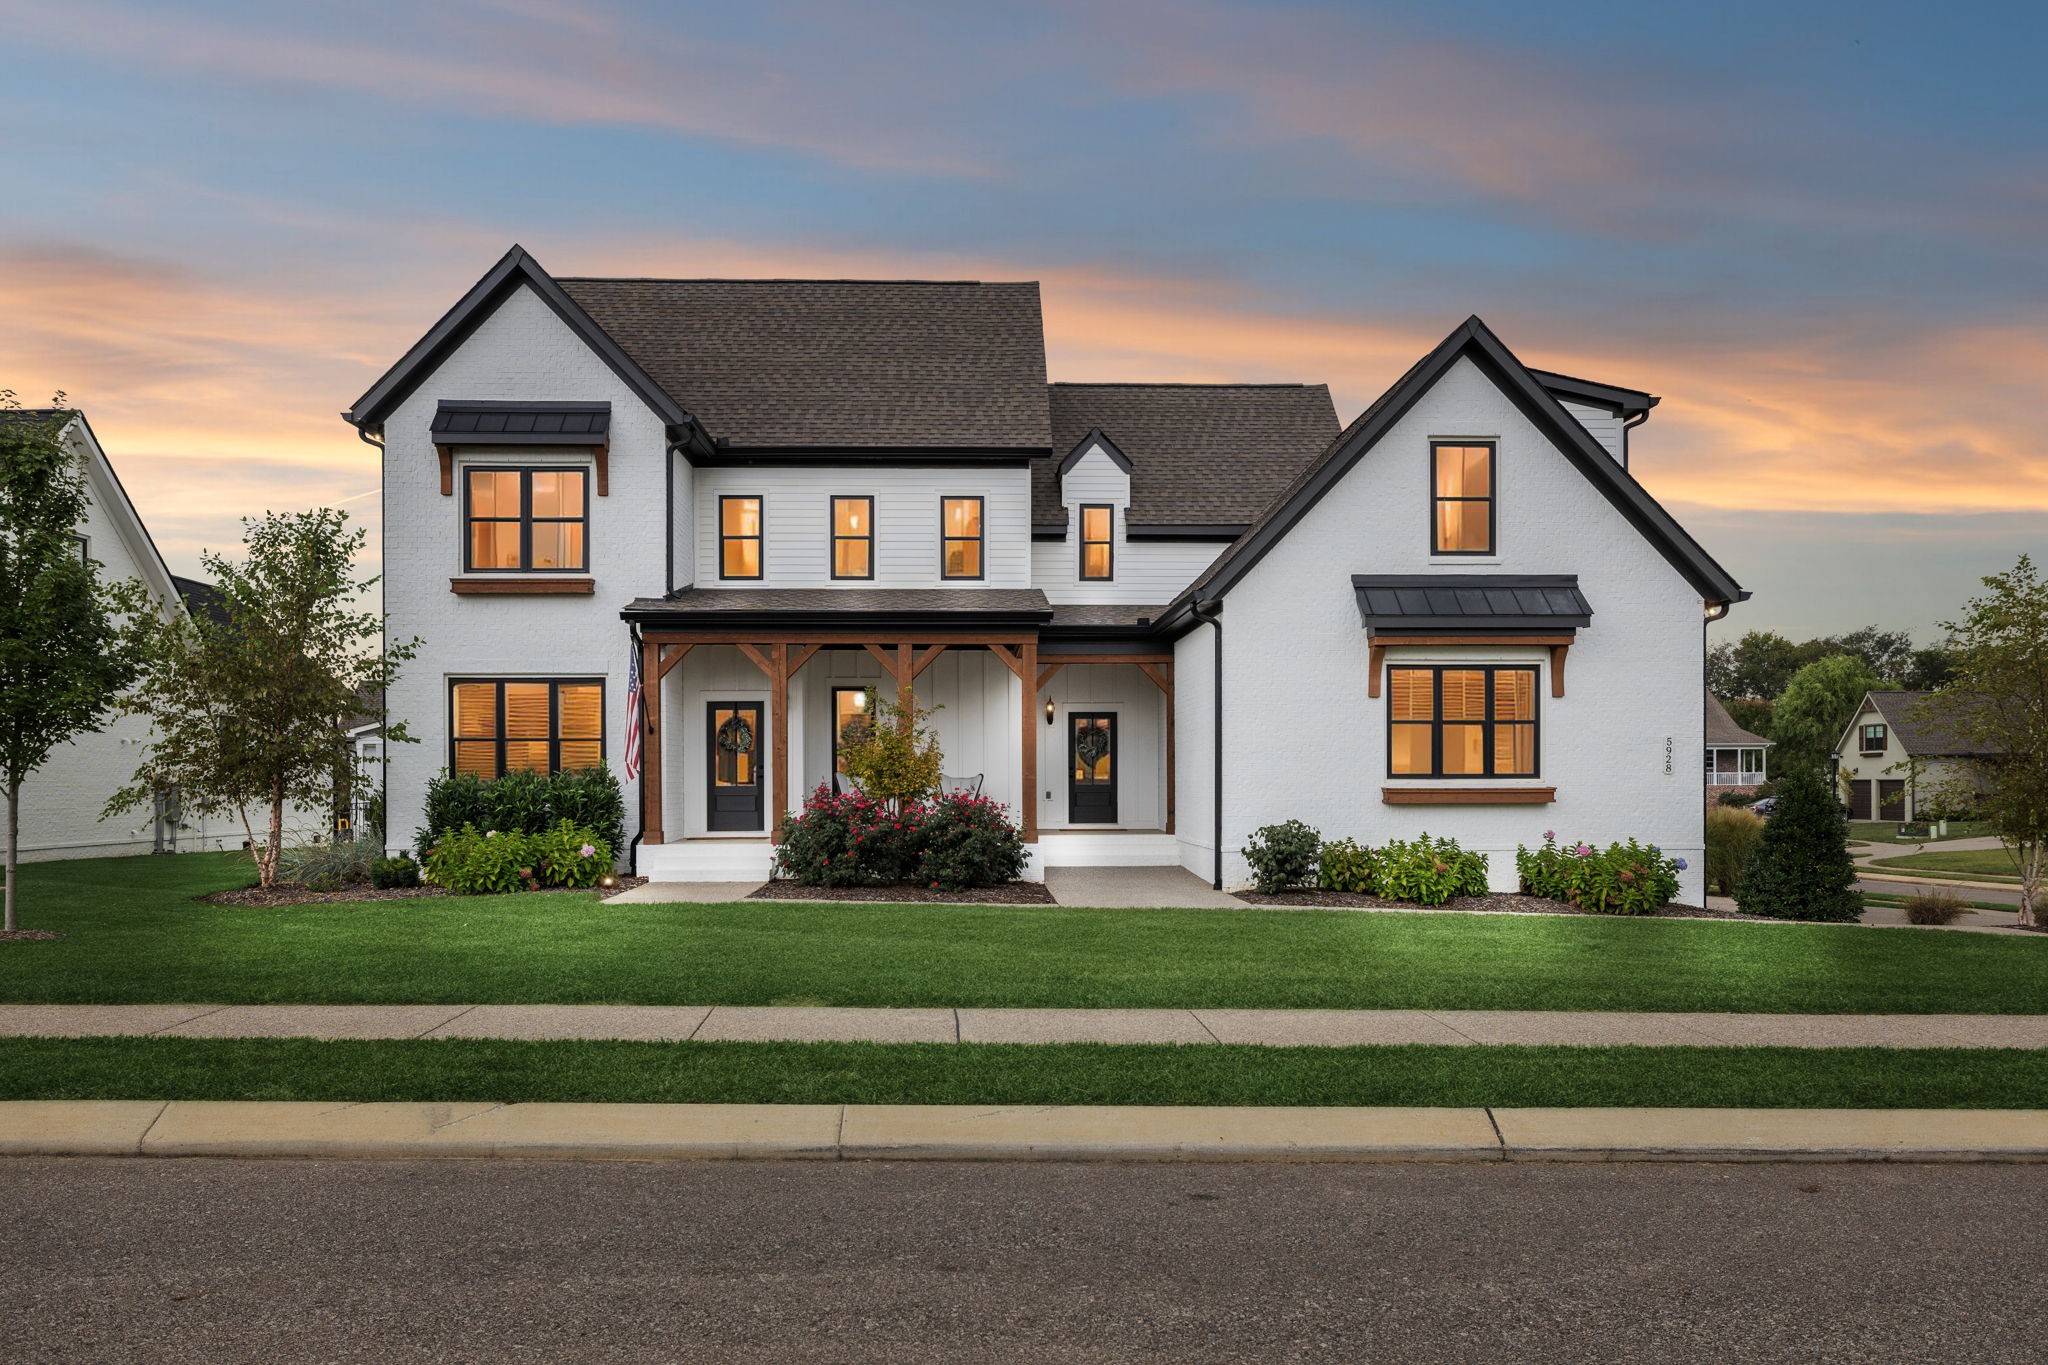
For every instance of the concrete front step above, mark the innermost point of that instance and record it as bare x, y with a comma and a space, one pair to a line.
708, 860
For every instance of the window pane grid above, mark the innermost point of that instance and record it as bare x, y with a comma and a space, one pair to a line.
739, 537
525, 725
853, 537
1461, 498
1098, 554
1461, 722
521, 519
960, 545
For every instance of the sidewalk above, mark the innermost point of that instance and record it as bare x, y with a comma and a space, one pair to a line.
1276, 1028
597, 1132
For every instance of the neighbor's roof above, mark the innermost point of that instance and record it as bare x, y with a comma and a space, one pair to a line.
201, 598
1200, 454
824, 364
1722, 731
1920, 728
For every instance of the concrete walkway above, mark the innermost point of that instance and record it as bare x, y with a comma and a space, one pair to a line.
1274, 1028
316, 1129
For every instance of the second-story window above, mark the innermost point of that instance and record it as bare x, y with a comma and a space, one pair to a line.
1875, 737
1461, 498
960, 538
1098, 545
739, 537
522, 519
853, 537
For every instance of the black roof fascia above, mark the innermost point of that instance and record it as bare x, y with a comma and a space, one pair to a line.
1099, 640
1475, 340
808, 618
1050, 530
1160, 530
513, 270
724, 456
1096, 436
1624, 402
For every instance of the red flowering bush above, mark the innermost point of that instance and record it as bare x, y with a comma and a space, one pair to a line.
969, 841
852, 840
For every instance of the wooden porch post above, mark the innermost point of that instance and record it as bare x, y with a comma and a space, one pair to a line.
1027, 687
778, 708
651, 672
904, 674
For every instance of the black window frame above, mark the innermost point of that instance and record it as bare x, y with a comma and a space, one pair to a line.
1108, 542
980, 538
526, 519
1437, 722
1492, 498
554, 741
833, 537
832, 701
760, 537
1884, 736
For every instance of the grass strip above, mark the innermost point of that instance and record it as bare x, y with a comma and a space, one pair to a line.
450, 1070
137, 935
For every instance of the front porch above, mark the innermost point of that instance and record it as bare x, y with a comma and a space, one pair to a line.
745, 693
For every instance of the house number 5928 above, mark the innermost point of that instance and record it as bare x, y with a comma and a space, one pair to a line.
1667, 755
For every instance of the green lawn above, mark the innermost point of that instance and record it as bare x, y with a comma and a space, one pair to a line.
1887, 832
1987, 862
877, 1073
137, 935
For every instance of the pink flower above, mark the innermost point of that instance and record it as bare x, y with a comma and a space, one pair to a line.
1584, 850
588, 851
1549, 836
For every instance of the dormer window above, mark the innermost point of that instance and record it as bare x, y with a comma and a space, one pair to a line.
1098, 545
960, 548
739, 537
1875, 738
1461, 497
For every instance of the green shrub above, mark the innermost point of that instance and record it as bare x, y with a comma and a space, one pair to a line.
1732, 836
1623, 879
395, 874
1347, 865
1736, 798
1801, 868
568, 855
473, 862
525, 803
1428, 871
954, 842
1283, 855
331, 866
968, 841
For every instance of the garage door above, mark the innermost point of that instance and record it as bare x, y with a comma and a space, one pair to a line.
1891, 799
1859, 800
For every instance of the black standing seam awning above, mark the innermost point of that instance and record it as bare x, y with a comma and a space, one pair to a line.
507, 423
1390, 604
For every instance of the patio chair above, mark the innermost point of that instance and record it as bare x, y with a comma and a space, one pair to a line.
960, 786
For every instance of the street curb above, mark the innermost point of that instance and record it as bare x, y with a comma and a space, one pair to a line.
859, 1132
1866, 873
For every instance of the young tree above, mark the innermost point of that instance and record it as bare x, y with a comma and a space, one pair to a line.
1998, 703
248, 710
1801, 867
1816, 705
892, 752
62, 667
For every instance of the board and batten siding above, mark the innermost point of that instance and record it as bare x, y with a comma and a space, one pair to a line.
796, 515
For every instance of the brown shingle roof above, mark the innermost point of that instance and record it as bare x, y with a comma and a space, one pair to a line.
1722, 729
1921, 728
1201, 454
820, 364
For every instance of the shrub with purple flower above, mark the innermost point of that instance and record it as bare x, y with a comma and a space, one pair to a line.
1626, 879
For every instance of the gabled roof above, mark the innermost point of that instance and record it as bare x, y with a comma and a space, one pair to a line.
1622, 402
1200, 454
201, 598
1472, 340
1471, 601
108, 494
1920, 728
1724, 733
839, 364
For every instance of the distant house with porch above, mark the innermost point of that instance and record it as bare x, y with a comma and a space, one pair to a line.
1898, 754
1737, 761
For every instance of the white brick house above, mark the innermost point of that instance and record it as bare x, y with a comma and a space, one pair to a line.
1461, 613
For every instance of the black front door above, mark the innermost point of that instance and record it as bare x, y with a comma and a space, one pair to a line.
734, 756
1091, 768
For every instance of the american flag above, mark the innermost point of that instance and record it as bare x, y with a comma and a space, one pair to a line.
633, 723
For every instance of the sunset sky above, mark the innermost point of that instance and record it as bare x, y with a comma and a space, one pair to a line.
1820, 231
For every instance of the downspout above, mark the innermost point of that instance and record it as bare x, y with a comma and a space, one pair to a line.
1715, 611
1211, 614
668, 529
633, 845
1626, 427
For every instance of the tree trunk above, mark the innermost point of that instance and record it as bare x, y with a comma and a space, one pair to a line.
273, 847
2031, 860
13, 847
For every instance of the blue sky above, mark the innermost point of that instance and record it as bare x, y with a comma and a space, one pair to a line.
1814, 229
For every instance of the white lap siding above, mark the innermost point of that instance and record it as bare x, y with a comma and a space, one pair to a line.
1304, 740
1140, 759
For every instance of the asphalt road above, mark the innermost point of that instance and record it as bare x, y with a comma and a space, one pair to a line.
220, 1261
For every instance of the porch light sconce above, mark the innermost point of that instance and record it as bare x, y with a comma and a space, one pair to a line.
1048, 711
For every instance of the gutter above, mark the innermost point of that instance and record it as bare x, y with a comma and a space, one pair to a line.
1630, 425
1211, 613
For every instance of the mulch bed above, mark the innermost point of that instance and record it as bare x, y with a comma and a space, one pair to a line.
288, 893
28, 935
1496, 905
1008, 893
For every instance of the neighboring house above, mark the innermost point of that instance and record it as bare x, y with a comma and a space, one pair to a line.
1156, 616
1897, 755
62, 800
1737, 761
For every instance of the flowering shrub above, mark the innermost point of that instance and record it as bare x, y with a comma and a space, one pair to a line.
1624, 879
951, 842
1347, 865
1283, 855
1428, 871
568, 855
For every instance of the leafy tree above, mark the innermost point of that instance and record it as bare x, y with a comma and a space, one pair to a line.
891, 751
1816, 705
249, 710
1929, 670
1801, 867
1886, 653
1752, 714
1998, 702
62, 667
1757, 665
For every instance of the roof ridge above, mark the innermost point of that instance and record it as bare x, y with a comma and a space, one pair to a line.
1182, 384
769, 279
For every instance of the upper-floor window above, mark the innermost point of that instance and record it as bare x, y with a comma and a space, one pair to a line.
1461, 722
84, 550
739, 537
960, 548
1875, 738
853, 537
515, 725
1461, 498
1098, 545
527, 519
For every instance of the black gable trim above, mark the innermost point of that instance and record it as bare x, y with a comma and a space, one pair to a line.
1096, 436
514, 270
1621, 402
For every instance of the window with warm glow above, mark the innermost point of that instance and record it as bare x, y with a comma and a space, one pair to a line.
1461, 722
522, 519
853, 537
1461, 498
960, 538
1098, 548
849, 720
514, 725
739, 537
